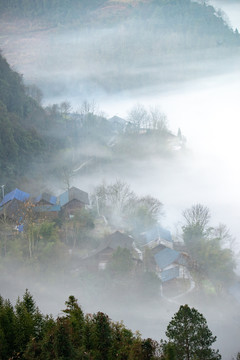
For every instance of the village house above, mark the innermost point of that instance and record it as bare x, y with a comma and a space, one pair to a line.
12, 206
45, 199
73, 200
170, 264
46, 206
100, 257
16, 204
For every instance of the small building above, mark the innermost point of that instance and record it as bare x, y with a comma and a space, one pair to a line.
13, 205
15, 194
73, 200
13, 210
99, 258
170, 264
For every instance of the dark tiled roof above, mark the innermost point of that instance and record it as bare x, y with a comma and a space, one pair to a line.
74, 194
118, 239
114, 241
46, 197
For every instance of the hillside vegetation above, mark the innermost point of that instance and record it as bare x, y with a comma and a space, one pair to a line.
103, 47
20, 119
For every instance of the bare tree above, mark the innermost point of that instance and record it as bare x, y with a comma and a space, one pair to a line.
65, 108
139, 117
225, 237
157, 119
197, 216
88, 107
114, 197
152, 205
124, 208
66, 175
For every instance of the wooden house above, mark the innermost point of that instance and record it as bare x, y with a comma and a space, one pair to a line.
47, 212
99, 258
13, 206
45, 199
73, 200
170, 264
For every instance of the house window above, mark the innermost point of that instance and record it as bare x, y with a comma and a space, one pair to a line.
102, 266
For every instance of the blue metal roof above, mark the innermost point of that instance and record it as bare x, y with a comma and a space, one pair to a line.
15, 194
157, 232
170, 274
64, 198
166, 257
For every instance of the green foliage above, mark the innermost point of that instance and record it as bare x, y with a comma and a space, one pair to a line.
7, 329
101, 335
204, 246
76, 317
28, 321
170, 351
26, 334
121, 262
20, 142
189, 333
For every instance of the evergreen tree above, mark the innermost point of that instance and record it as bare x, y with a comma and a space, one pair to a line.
7, 329
189, 332
101, 335
76, 319
29, 321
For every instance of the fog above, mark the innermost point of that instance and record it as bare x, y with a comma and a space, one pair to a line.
200, 95
207, 113
231, 9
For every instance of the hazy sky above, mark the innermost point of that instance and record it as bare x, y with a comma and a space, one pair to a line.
232, 10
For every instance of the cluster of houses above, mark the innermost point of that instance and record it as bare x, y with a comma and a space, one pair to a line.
167, 263
17, 205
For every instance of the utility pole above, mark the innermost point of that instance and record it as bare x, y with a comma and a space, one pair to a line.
2, 186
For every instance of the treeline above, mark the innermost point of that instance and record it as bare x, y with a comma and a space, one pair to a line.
57, 9
25, 333
165, 16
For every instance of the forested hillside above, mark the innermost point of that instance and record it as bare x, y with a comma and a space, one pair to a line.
20, 119
165, 36
34, 138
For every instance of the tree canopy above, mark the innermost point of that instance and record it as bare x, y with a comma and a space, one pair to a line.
189, 333
205, 245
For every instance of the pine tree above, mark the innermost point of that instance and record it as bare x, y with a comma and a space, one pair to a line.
189, 332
